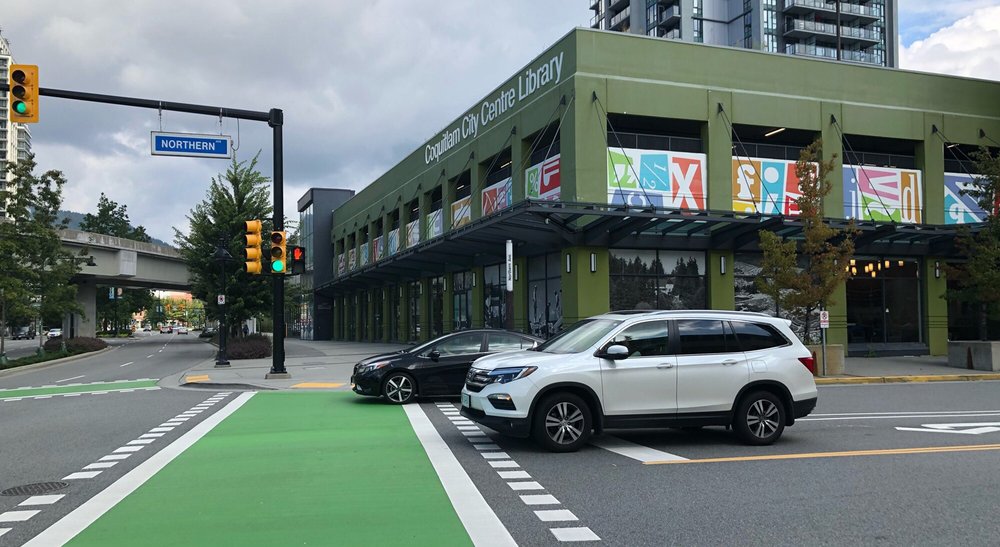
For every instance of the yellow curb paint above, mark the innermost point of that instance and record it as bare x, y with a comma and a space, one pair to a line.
883, 452
318, 385
199, 378
907, 379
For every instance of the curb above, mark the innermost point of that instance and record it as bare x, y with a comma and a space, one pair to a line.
907, 379
54, 362
226, 386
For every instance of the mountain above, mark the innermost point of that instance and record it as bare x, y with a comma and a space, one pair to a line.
76, 218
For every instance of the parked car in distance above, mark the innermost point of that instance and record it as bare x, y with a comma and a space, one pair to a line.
23, 333
182, 330
648, 369
434, 368
207, 333
165, 329
147, 328
55, 333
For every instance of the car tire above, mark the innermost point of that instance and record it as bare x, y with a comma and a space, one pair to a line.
760, 418
399, 388
562, 422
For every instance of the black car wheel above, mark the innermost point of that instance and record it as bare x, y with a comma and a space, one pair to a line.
399, 388
562, 422
760, 418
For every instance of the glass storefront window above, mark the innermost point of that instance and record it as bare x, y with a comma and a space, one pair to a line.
437, 306
883, 302
413, 308
545, 295
495, 306
652, 279
461, 300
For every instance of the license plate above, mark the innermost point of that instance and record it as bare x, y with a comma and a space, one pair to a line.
465, 400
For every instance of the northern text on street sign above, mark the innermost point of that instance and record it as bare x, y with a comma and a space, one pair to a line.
191, 145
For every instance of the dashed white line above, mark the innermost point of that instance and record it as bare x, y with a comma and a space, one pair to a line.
4, 531
41, 500
82, 475
490, 446
68, 379
149, 357
581, 533
513, 475
495, 455
525, 485
141, 442
151, 435
127, 364
161, 429
17, 516
114, 457
504, 464
539, 499
125, 449
555, 515
101, 465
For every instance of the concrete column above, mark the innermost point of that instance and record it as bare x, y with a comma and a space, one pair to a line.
934, 288
85, 324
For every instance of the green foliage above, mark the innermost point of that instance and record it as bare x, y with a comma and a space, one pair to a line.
53, 350
825, 250
255, 346
35, 276
977, 280
112, 220
239, 195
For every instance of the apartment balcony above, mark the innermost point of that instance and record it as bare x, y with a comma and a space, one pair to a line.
811, 51
615, 5
857, 12
597, 21
863, 36
596, 5
805, 7
859, 57
669, 16
801, 29
620, 20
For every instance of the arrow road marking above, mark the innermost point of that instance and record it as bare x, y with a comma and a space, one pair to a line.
969, 429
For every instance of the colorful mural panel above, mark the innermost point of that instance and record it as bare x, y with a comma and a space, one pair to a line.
341, 264
883, 194
363, 255
377, 249
393, 243
959, 206
352, 259
541, 181
461, 212
498, 196
435, 224
765, 186
412, 233
656, 177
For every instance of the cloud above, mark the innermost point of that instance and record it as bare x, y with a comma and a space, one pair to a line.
921, 18
969, 47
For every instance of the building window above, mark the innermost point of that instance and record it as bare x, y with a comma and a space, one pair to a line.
413, 308
437, 306
653, 279
494, 291
545, 295
462, 300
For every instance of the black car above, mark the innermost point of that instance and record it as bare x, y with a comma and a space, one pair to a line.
433, 368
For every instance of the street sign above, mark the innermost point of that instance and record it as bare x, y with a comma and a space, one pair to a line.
824, 319
191, 145
222, 299
510, 266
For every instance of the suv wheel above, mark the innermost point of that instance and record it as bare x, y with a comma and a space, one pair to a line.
760, 418
562, 422
399, 388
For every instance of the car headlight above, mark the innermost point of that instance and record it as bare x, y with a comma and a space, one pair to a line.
504, 375
373, 366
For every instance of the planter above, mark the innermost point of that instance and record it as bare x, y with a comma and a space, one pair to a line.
835, 356
974, 355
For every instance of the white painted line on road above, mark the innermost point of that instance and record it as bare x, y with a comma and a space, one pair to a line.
4, 531
513, 475
509, 464
151, 435
41, 500
149, 357
539, 499
161, 429
495, 455
43, 397
468, 428
473, 433
475, 440
127, 364
100, 465
172, 423
897, 416
632, 450
114, 457
125, 449
490, 446
140, 442
68, 379
17, 516
581, 533
99, 392
73, 523
82, 475
481, 523
555, 515
72, 394
525, 485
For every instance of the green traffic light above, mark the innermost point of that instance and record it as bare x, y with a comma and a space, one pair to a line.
278, 266
20, 107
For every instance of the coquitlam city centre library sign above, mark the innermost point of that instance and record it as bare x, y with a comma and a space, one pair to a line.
532, 80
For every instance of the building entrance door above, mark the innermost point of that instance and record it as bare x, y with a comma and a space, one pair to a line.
884, 312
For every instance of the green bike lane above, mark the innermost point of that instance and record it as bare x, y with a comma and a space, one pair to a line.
314, 468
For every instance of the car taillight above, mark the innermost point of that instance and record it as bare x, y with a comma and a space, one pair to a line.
809, 363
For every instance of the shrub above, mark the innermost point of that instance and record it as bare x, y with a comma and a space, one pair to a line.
255, 346
75, 345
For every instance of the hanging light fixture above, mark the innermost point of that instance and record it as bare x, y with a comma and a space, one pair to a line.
854, 270
887, 263
852, 262
873, 274
900, 263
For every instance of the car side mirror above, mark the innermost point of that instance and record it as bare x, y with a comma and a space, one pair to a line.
434, 354
614, 352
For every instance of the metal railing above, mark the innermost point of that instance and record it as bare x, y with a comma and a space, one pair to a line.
810, 26
622, 16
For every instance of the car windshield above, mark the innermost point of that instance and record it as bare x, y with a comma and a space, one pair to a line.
579, 337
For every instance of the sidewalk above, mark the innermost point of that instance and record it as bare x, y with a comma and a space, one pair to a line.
328, 365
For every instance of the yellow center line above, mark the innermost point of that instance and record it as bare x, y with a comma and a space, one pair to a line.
882, 452
318, 385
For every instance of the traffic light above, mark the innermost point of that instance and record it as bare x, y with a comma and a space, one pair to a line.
297, 260
279, 255
254, 239
23, 95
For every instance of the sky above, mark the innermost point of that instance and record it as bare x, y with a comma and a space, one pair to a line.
361, 84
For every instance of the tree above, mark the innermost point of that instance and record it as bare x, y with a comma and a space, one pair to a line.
35, 276
825, 250
239, 195
977, 280
112, 219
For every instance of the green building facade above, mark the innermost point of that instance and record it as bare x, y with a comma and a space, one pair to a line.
629, 172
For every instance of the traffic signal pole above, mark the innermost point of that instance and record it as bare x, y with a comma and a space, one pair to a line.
274, 119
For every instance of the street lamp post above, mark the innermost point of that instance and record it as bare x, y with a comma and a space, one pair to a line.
222, 256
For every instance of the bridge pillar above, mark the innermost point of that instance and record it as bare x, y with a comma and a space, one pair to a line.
75, 324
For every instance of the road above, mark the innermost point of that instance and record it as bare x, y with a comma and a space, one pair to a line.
98, 432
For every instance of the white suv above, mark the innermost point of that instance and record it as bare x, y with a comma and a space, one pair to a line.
647, 369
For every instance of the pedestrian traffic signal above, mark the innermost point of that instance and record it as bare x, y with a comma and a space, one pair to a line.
254, 239
279, 255
297, 260
23, 94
